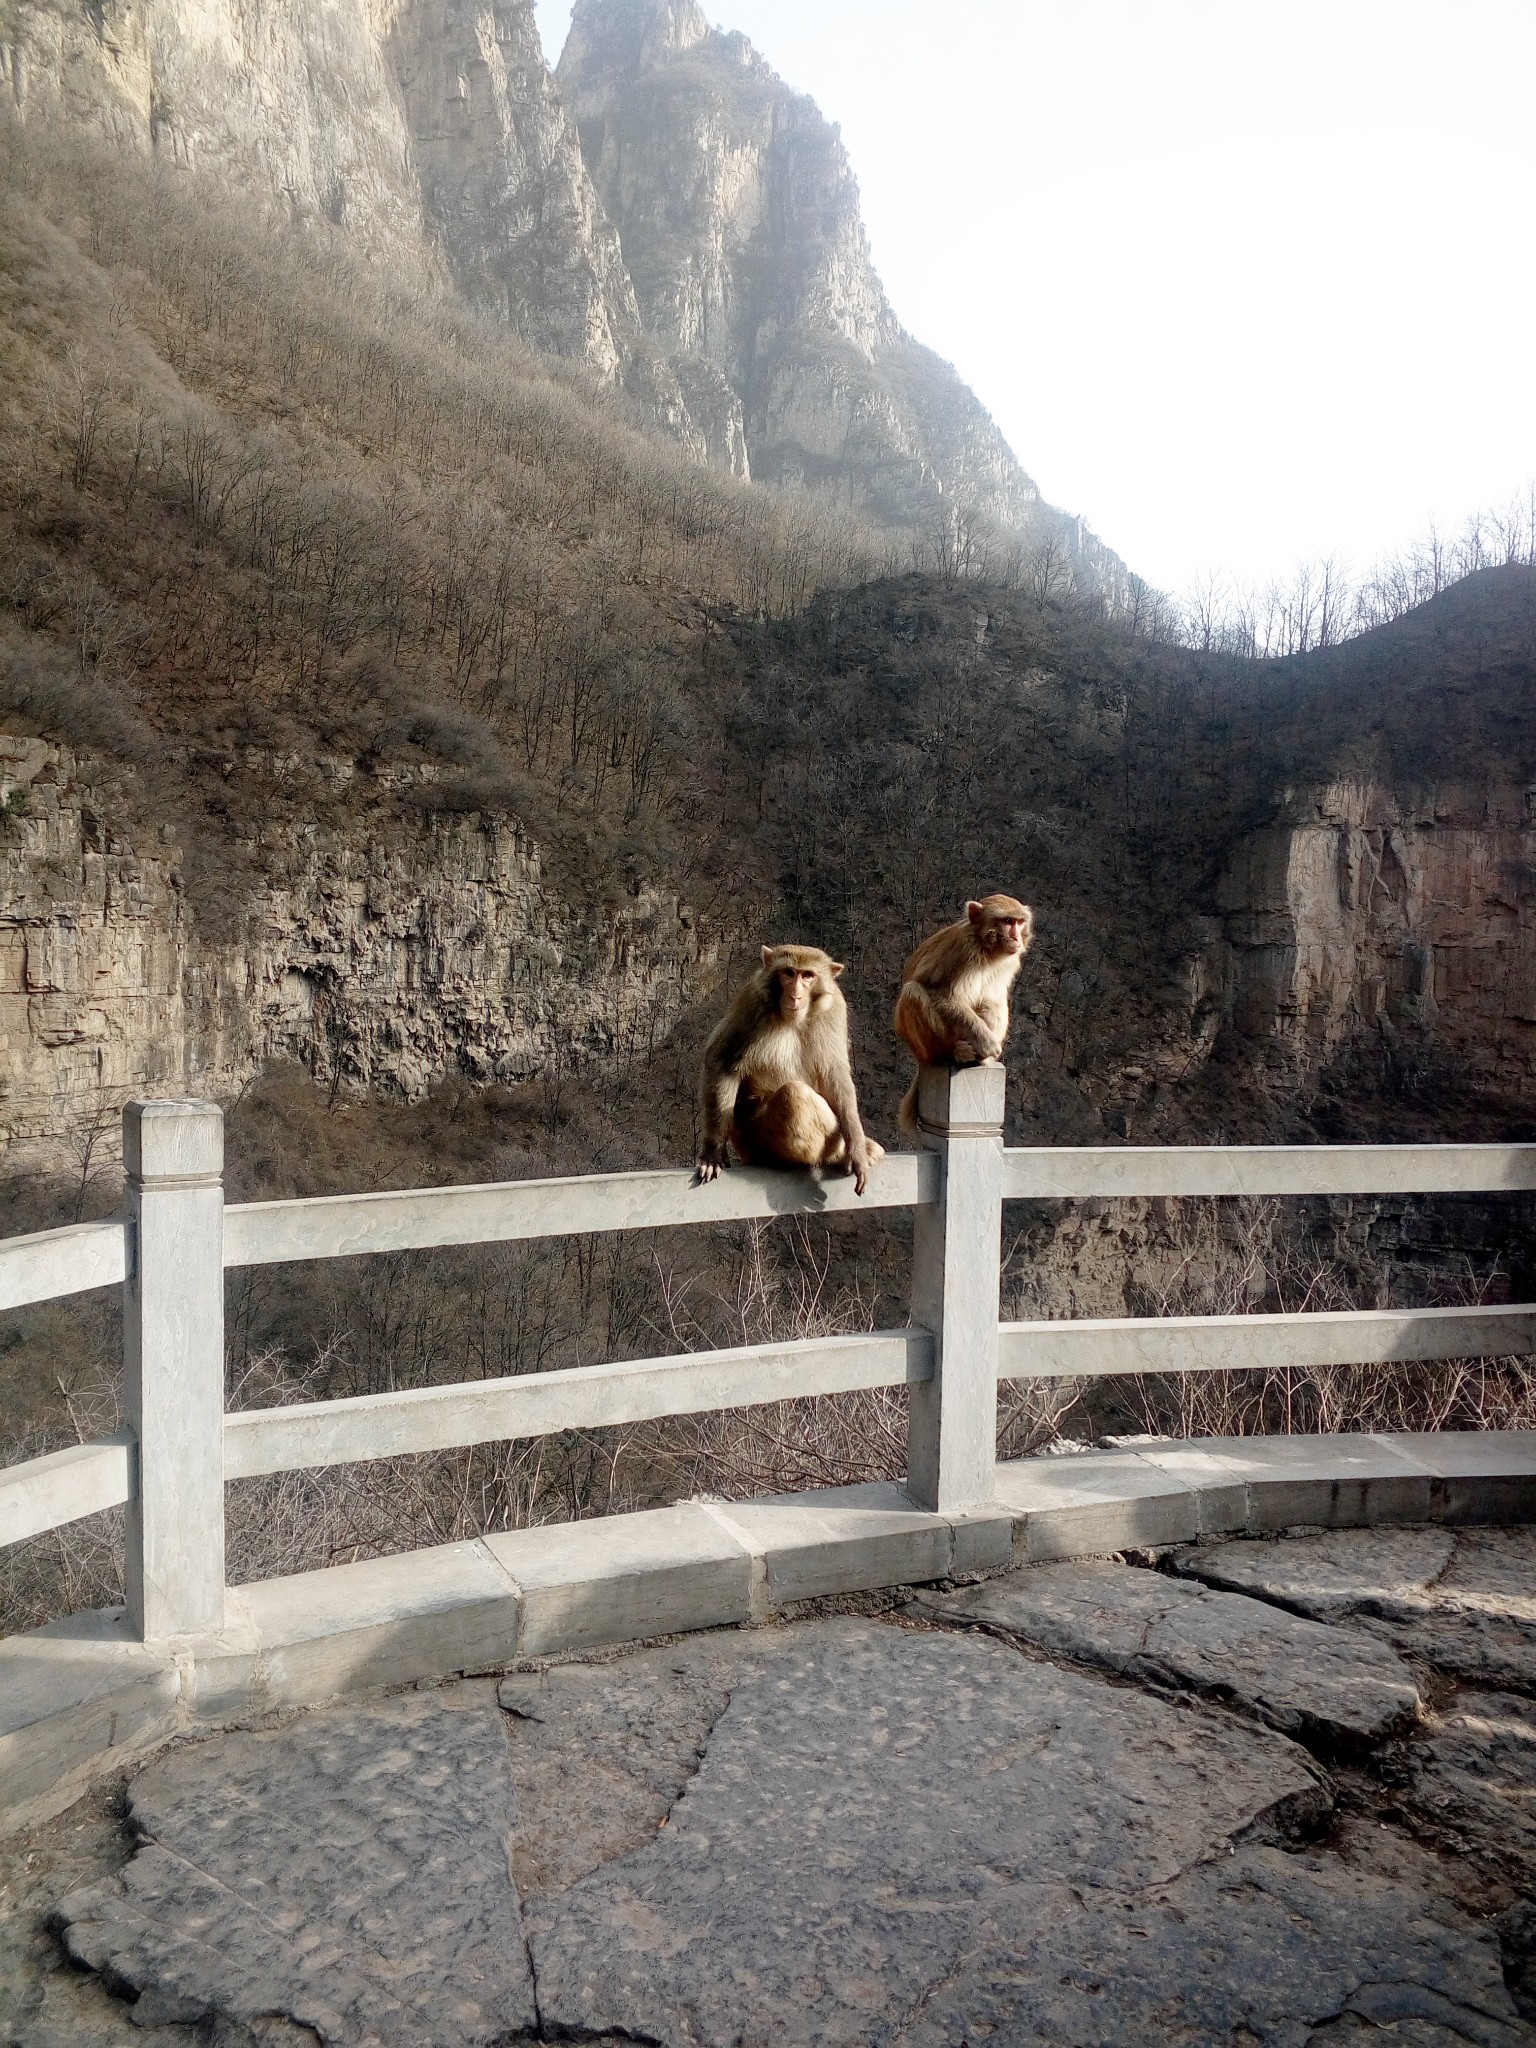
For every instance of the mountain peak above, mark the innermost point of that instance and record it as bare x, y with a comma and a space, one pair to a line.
631, 35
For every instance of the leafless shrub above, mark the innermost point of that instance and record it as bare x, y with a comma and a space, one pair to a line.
1241, 1262
79, 1566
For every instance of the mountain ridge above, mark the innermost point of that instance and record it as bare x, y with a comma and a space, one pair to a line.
438, 142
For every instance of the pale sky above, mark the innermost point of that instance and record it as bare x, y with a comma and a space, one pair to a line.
1243, 281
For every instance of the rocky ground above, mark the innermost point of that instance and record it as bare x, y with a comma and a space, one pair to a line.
1275, 1794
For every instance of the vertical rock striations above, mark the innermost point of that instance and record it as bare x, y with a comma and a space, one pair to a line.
300, 105
431, 133
502, 181
742, 231
1372, 923
379, 958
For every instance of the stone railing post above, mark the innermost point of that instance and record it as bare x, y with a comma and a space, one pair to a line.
956, 1275
173, 1365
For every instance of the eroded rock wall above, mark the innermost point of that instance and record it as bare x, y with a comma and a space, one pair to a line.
669, 213
300, 105
502, 181
742, 230
381, 959
431, 133
1362, 919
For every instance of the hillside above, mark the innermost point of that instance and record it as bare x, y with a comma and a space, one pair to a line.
357, 633
1273, 898
387, 699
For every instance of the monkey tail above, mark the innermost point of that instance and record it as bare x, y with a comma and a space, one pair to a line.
907, 1115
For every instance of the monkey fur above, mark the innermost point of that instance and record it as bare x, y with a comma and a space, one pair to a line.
776, 1077
954, 989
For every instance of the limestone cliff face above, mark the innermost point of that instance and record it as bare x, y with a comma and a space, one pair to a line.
743, 234
380, 961
699, 239
302, 105
502, 180
429, 131
1362, 921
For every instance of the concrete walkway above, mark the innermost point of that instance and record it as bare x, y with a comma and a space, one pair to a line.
1264, 1797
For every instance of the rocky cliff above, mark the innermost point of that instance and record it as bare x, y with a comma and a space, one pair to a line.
380, 959
700, 241
431, 134
1271, 897
741, 226
1405, 928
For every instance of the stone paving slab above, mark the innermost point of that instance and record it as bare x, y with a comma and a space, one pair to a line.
1462, 1600
866, 1796
1262, 1949
348, 1873
1474, 1780
825, 1834
1330, 1686
600, 1752
44, 2001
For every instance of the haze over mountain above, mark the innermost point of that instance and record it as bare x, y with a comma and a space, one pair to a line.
668, 213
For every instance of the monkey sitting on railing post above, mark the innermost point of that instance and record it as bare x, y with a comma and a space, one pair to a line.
776, 1076
953, 1004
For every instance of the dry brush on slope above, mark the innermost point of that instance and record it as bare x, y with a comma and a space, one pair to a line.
270, 500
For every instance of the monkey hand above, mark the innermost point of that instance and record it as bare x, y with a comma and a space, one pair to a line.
966, 1054
710, 1167
860, 1160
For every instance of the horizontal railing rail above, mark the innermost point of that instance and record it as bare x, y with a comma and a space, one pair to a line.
44, 1493
421, 1219
169, 1465
1115, 1172
577, 1397
1103, 1347
53, 1263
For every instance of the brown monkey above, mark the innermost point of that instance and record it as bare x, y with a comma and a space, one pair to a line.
776, 1076
954, 990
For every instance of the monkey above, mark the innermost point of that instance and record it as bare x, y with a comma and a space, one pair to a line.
776, 1076
954, 989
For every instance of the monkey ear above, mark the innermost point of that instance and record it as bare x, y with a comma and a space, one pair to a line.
975, 912
767, 956
837, 968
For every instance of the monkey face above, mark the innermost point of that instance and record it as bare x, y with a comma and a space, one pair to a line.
1001, 924
796, 987
799, 974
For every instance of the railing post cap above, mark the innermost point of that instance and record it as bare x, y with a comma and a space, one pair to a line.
176, 1140
962, 1101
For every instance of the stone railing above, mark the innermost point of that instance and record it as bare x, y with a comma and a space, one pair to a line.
170, 1251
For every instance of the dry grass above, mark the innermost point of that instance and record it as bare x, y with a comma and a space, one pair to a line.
1239, 1259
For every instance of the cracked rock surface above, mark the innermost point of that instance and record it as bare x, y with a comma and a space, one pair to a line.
601, 1751
347, 1874
837, 1831
1292, 1950
1474, 1780
1462, 1600
924, 1838
1334, 1686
